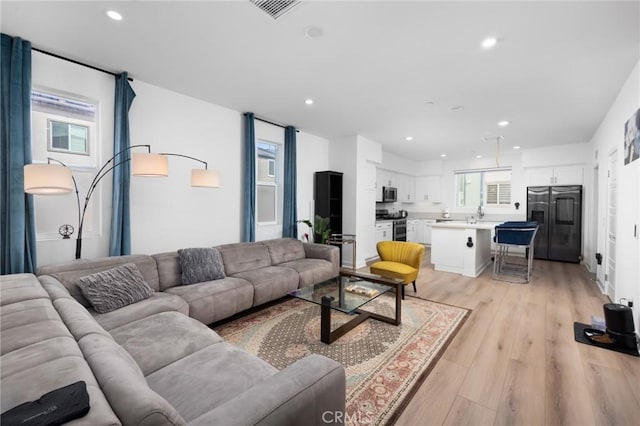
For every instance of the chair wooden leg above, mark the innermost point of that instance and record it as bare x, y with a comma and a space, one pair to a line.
414, 287
403, 292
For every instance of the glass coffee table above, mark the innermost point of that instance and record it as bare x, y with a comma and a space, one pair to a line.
347, 293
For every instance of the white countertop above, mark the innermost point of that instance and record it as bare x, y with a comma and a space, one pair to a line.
461, 224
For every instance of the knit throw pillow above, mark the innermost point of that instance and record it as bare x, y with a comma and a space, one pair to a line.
114, 288
200, 265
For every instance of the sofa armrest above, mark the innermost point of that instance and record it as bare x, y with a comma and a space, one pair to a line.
310, 391
325, 252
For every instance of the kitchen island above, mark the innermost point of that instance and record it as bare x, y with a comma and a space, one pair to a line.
461, 247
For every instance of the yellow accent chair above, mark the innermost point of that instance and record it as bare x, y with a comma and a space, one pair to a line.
399, 259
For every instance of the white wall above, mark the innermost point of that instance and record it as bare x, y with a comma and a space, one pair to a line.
167, 213
609, 138
313, 156
369, 155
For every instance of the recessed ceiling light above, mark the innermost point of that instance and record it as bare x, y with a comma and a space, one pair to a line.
114, 15
516, 147
308, 101
313, 32
408, 138
443, 155
457, 108
489, 42
503, 123
478, 155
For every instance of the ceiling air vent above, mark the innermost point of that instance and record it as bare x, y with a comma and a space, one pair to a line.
276, 8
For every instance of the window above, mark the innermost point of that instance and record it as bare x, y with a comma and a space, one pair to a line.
272, 168
491, 188
498, 193
69, 123
68, 137
65, 127
267, 182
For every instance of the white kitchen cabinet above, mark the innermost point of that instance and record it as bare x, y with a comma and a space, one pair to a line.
406, 188
413, 230
426, 230
384, 231
562, 175
428, 188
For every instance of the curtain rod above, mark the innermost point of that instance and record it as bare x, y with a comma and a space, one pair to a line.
77, 62
271, 122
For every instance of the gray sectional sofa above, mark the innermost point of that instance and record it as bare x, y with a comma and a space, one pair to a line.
155, 362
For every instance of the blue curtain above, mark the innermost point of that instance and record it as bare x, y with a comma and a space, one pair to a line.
120, 238
249, 199
17, 212
290, 210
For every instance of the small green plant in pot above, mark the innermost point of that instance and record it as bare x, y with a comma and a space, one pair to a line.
319, 228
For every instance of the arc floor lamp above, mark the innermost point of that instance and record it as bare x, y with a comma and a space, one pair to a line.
57, 179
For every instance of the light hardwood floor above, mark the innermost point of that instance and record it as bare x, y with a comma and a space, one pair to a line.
515, 361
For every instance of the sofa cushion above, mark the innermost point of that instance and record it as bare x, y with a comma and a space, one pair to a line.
200, 265
77, 319
219, 371
37, 353
169, 271
215, 300
311, 271
26, 312
32, 382
284, 250
70, 272
19, 287
157, 341
32, 332
270, 283
114, 288
242, 257
158, 302
133, 401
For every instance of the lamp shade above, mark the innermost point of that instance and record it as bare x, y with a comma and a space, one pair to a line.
150, 165
205, 178
47, 179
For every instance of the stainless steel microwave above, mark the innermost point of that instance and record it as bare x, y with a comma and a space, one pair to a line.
389, 194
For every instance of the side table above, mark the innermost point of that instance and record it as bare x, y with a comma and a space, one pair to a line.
340, 240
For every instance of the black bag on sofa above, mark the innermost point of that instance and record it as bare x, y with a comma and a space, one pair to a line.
53, 408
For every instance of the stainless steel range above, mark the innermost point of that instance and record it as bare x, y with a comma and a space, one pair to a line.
399, 222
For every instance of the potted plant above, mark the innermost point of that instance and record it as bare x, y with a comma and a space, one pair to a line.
319, 228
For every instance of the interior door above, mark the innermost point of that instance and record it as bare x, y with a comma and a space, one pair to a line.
612, 212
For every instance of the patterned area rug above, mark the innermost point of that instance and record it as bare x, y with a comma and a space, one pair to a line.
384, 363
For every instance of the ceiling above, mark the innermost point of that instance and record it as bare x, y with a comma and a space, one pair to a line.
382, 69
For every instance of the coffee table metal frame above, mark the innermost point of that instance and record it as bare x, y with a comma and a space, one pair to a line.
328, 303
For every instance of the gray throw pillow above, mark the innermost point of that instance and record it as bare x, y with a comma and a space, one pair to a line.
114, 288
200, 265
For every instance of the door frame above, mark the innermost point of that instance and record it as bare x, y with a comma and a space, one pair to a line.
612, 159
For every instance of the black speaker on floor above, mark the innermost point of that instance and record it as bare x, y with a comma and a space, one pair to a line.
619, 321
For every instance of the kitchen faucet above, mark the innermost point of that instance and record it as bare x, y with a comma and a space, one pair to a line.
480, 212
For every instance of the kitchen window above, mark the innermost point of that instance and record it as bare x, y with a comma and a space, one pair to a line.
487, 187
268, 183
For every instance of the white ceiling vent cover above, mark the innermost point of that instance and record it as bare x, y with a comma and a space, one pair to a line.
276, 8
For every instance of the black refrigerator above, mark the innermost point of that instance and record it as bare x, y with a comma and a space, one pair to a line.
558, 211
